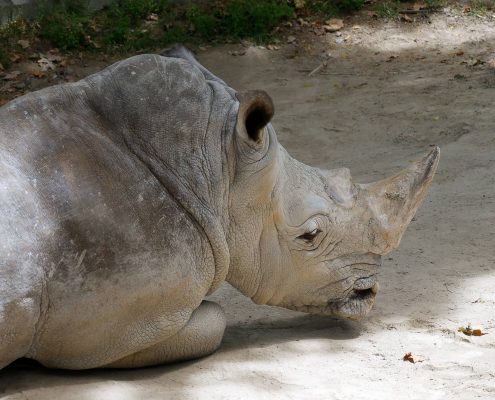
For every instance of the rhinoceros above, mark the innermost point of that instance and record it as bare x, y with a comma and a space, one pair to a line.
128, 197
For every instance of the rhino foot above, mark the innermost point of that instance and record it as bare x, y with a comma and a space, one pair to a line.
200, 337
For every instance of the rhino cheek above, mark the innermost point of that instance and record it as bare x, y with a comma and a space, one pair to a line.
314, 285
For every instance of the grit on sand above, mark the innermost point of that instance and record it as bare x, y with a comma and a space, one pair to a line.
385, 94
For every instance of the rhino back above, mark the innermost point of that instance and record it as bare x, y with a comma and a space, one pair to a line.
99, 251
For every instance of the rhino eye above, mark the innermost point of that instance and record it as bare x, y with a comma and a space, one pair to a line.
309, 236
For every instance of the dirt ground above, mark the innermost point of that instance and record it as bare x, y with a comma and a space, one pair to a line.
389, 90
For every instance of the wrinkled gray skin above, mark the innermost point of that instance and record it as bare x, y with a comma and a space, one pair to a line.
129, 196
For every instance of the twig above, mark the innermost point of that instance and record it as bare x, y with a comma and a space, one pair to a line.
318, 68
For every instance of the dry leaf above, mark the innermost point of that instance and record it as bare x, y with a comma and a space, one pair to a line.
237, 52
419, 6
23, 43
299, 4
45, 64
469, 331
53, 56
412, 358
303, 22
459, 53
473, 62
152, 17
467, 9
333, 25
15, 57
11, 76
37, 73
406, 18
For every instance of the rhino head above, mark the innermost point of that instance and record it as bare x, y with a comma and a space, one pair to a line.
308, 239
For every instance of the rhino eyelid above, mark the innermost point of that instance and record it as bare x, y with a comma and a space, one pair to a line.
309, 236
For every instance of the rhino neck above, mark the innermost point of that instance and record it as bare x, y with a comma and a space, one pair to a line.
172, 119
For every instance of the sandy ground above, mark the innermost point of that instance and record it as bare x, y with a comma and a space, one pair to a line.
388, 92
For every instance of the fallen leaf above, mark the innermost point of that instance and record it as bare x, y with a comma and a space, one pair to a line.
54, 57
333, 25
303, 22
23, 43
469, 331
237, 52
406, 18
11, 76
412, 358
299, 4
419, 6
291, 39
37, 73
15, 57
152, 17
272, 47
319, 30
473, 62
466, 9
45, 64
459, 53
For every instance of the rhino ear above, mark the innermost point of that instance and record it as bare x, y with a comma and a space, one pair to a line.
255, 112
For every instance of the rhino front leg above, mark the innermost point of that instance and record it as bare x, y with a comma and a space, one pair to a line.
200, 337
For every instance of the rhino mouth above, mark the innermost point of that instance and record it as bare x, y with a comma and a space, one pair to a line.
359, 302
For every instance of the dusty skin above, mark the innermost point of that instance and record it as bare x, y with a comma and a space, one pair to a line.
369, 115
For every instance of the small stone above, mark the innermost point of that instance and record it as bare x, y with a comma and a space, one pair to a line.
291, 39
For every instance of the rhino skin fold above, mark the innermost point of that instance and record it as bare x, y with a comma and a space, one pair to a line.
129, 196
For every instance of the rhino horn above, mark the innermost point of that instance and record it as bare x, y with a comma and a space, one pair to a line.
394, 201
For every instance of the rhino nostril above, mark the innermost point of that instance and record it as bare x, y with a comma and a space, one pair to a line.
367, 293
364, 293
